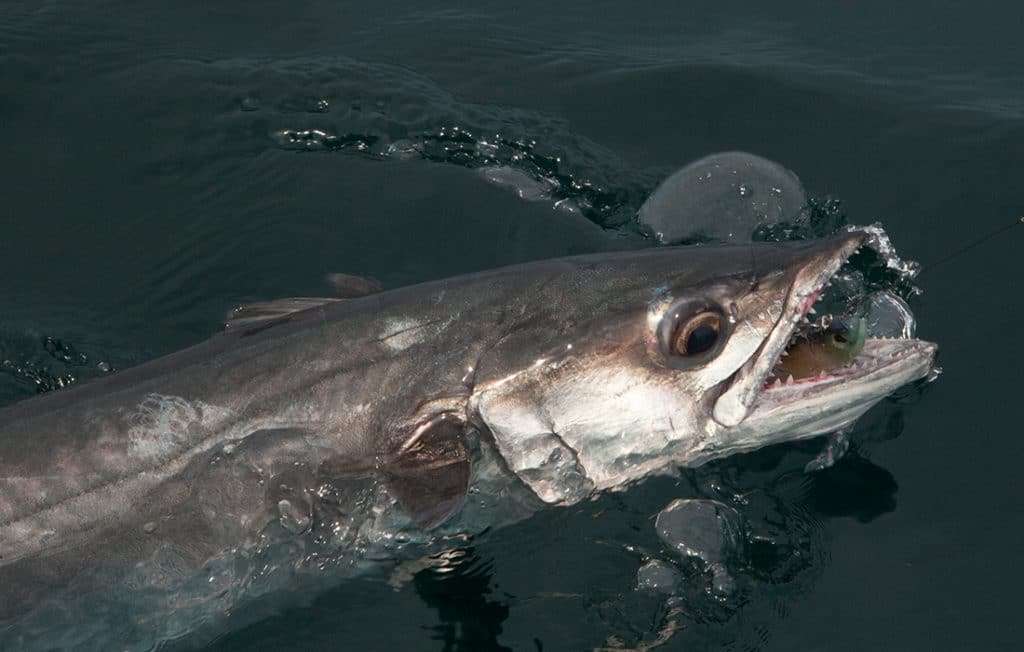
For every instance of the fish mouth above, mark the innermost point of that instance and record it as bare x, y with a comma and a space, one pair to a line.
881, 366
881, 356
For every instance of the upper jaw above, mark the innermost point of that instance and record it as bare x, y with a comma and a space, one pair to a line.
810, 280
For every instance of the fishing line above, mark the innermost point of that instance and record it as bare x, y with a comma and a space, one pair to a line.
972, 245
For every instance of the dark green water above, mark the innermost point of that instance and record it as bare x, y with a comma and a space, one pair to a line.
164, 164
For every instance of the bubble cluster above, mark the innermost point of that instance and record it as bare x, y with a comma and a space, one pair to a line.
46, 363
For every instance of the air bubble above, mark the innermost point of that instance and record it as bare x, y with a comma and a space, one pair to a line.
888, 315
704, 529
702, 201
657, 576
250, 104
292, 518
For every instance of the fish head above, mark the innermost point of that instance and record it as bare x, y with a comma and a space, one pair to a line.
625, 365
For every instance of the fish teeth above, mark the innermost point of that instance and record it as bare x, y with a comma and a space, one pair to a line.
789, 381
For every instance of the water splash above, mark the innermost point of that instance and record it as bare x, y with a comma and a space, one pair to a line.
384, 112
905, 270
39, 364
745, 538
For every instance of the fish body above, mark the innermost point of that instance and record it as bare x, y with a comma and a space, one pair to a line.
295, 449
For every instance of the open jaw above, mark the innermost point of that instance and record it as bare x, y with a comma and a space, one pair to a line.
880, 357
827, 379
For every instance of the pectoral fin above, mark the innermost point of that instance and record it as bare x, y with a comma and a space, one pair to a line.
429, 476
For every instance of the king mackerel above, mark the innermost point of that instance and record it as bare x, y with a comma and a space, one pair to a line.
314, 436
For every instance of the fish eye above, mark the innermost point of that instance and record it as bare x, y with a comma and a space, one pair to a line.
697, 334
839, 329
692, 332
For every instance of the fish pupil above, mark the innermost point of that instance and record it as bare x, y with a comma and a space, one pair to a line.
701, 339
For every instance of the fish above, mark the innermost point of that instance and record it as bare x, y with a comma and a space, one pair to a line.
316, 438
834, 343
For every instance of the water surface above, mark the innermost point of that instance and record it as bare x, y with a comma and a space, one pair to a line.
164, 164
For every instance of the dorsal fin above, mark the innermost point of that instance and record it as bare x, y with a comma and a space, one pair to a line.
347, 286
263, 313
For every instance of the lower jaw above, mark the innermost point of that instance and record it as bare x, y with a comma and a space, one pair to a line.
884, 366
772, 425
